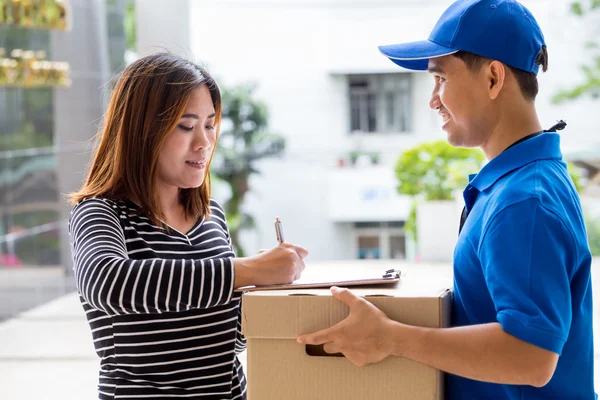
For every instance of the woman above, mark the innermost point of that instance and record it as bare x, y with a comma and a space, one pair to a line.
152, 254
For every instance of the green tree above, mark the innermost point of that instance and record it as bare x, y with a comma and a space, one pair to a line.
434, 171
591, 84
244, 140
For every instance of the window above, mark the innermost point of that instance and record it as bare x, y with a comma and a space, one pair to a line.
31, 145
380, 103
380, 240
29, 192
368, 247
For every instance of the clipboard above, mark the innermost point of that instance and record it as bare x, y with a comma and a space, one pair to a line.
353, 278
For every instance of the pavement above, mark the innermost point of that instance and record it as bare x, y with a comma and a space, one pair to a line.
46, 353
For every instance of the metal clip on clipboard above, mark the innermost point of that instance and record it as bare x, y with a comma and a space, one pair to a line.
392, 273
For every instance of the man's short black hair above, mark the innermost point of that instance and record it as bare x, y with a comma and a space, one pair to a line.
527, 80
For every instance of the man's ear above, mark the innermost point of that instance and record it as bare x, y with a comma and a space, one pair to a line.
495, 75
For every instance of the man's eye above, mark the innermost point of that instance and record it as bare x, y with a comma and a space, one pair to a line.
186, 128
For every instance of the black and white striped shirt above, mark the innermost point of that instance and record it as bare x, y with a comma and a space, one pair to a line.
164, 317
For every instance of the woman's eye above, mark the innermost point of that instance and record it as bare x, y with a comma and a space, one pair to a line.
186, 128
210, 127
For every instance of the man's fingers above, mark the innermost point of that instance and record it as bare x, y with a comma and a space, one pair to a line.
319, 337
331, 348
346, 296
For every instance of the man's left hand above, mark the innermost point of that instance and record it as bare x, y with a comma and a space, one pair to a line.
364, 337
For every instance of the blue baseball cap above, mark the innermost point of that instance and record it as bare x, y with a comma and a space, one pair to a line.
502, 30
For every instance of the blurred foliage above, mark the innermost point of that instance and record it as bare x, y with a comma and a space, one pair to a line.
593, 232
592, 223
434, 171
410, 226
589, 10
130, 26
243, 141
575, 174
27, 138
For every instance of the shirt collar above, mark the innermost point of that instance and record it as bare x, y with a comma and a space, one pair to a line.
542, 147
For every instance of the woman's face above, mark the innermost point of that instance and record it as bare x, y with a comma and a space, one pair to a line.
183, 160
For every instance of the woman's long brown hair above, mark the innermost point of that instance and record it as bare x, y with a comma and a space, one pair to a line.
147, 102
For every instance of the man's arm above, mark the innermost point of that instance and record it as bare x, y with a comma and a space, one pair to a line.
480, 352
527, 257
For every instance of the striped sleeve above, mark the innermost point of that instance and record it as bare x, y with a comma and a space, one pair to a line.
240, 340
218, 214
109, 281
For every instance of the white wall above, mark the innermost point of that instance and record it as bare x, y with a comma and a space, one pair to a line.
163, 26
298, 51
299, 54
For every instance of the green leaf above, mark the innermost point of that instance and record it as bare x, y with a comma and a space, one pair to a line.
592, 88
577, 8
591, 83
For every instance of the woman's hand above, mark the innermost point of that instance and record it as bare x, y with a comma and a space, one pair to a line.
281, 264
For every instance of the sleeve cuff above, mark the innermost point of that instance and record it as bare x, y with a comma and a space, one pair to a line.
534, 335
230, 270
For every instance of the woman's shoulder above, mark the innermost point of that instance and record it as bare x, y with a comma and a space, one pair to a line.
96, 201
216, 206
98, 205
217, 212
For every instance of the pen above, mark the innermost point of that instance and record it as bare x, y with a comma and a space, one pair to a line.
278, 230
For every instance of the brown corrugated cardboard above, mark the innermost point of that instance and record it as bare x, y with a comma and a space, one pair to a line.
280, 368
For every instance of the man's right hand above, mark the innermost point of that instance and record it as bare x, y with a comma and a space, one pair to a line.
281, 264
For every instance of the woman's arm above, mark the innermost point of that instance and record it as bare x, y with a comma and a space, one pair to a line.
115, 284
219, 214
109, 281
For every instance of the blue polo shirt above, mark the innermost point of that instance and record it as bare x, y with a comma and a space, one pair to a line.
522, 259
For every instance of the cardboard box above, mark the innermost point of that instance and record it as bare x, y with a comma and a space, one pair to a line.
280, 369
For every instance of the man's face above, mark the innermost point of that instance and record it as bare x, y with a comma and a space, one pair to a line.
462, 100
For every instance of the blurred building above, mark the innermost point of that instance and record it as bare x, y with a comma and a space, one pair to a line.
346, 111
45, 135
